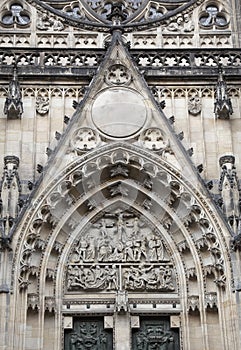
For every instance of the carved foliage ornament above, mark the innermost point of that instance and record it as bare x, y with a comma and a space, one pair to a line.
127, 13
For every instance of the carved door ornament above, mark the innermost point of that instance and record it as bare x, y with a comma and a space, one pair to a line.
88, 334
120, 252
155, 333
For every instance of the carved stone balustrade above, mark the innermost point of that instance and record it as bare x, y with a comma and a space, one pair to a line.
154, 62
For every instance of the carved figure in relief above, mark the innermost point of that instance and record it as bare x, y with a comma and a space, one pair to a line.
118, 253
82, 249
194, 105
48, 23
128, 252
93, 277
140, 250
42, 104
104, 250
182, 24
111, 278
90, 251
150, 278
152, 244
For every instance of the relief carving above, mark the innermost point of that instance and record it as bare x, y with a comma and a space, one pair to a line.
118, 74
154, 337
88, 335
84, 139
183, 23
154, 139
149, 278
44, 22
194, 105
120, 251
42, 104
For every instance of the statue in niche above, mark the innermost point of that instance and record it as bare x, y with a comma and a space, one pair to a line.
10, 192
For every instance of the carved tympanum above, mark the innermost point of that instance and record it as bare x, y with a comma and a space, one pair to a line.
120, 250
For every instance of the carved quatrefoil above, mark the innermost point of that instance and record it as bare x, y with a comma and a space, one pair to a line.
118, 74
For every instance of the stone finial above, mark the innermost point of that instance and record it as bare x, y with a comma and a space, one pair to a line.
223, 105
9, 194
230, 191
13, 107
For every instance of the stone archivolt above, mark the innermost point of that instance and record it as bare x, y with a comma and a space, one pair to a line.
124, 245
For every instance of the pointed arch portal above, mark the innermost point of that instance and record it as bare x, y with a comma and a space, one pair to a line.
123, 236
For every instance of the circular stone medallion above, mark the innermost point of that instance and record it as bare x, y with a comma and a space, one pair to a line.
119, 112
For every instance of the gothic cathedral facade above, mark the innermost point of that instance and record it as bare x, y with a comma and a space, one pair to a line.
120, 199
